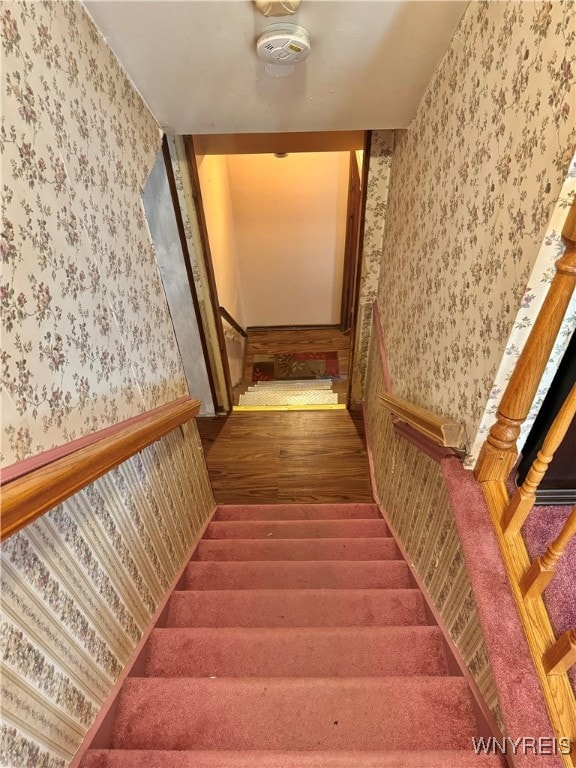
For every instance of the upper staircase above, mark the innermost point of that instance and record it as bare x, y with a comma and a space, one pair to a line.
295, 639
318, 392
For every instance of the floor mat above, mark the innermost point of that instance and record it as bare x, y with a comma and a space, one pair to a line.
296, 365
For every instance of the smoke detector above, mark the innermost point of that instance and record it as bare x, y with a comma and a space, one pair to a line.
283, 44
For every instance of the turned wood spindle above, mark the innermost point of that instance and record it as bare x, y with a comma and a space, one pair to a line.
542, 570
562, 655
499, 452
525, 496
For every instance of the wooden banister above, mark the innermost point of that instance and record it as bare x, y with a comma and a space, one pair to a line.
442, 431
562, 655
27, 497
499, 452
525, 496
551, 656
542, 570
557, 689
231, 321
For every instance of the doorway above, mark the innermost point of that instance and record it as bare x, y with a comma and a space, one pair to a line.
282, 235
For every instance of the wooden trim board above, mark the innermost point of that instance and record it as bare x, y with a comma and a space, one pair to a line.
28, 497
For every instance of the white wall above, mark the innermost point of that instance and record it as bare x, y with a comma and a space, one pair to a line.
217, 203
290, 217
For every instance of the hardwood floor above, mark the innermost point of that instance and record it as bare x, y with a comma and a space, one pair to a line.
286, 457
299, 340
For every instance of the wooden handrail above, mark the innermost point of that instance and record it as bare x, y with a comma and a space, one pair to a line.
442, 431
542, 570
525, 496
499, 452
562, 655
26, 498
231, 321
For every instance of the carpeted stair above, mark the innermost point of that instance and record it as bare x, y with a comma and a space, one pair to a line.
295, 640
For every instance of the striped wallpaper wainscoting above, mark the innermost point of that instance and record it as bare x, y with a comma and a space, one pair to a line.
79, 587
412, 493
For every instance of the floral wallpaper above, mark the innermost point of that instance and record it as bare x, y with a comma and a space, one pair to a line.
474, 181
379, 161
87, 337
536, 290
87, 341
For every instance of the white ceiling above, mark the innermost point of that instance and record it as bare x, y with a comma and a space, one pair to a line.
195, 64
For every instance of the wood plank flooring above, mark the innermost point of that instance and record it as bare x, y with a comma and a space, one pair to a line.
286, 457
298, 340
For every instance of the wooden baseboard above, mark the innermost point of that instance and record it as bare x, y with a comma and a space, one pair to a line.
556, 496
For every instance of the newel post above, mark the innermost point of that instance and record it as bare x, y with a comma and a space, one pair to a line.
499, 452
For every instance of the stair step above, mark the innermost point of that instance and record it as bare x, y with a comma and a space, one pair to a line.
296, 512
293, 397
296, 608
406, 713
323, 390
293, 384
109, 758
309, 652
296, 529
324, 386
298, 574
382, 548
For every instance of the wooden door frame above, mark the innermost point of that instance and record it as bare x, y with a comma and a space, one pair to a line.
352, 268
209, 265
358, 263
188, 266
351, 244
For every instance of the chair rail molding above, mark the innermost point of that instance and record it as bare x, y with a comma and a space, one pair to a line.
444, 432
30, 495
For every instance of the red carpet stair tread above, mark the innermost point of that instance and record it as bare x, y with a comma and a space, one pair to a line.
308, 652
377, 548
295, 640
102, 758
326, 574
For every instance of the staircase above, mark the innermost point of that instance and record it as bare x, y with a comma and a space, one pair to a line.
294, 640
318, 392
